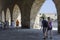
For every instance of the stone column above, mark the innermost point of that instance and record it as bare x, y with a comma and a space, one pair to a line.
25, 7
57, 3
1, 20
0, 15
5, 19
0, 10
11, 15
6, 24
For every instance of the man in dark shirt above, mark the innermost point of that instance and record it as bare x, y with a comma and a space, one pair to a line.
45, 27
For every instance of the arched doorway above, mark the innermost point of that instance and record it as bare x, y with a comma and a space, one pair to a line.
49, 10
17, 15
3, 19
35, 14
8, 17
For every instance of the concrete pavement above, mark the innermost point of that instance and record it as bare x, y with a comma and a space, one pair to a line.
25, 34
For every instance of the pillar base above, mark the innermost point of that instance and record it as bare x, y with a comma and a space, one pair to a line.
59, 31
25, 27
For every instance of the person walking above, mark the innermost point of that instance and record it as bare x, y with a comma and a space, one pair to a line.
50, 26
45, 27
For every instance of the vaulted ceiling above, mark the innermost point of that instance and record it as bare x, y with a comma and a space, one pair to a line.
10, 3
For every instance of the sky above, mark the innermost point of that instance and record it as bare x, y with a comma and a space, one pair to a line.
48, 7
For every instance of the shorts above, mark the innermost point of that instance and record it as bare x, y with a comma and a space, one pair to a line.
49, 28
44, 29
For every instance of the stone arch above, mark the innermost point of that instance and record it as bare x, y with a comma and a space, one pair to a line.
17, 14
57, 3
35, 7
3, 16
56, 8
8, 17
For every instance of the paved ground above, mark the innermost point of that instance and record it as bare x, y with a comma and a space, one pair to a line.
25, 34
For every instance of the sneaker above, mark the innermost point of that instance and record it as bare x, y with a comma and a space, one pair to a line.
44, 37
50, 37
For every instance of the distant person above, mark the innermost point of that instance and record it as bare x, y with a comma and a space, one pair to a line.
17, 23
45, 27
50, 26
7, 24
13, 24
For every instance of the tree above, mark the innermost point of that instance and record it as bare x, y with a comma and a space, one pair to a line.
43, 15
